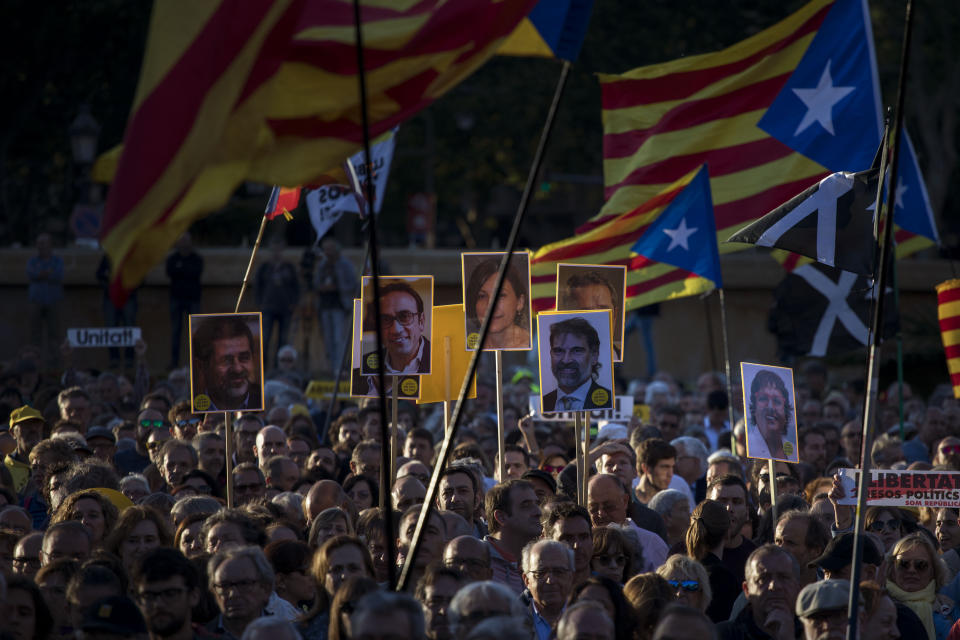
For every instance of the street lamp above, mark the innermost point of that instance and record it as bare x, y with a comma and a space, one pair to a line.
84, 132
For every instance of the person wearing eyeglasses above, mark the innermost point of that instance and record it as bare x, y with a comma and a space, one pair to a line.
914, 575
948, 453
183, 421
165, 584
403, 325
548, 576
886, 522
689, 580
241, 580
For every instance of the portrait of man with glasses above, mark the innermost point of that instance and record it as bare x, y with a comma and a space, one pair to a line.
405, 323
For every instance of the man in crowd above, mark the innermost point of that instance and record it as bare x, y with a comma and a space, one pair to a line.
607, 500
469, 556
656, 459
813, 448
166, 585
548, 575
822, 609
805, 537
271, 441
771, 588
731, 492
569, 523
26, 425
513, 516
407, 491
177, 458
458, 493
419, 446
241, 580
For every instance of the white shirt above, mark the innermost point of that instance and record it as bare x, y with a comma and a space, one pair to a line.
713, 436
655, 550
578, 397
757, 446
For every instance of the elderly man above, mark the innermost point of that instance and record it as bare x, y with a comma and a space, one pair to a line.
271, 441
241, 580
469, 556
569, 523
822, 609
771, 589
480, 601
607, 500
513, 515
691, 467
674, 507
575, 362
803, 536
176, 459
548, 568
619, 459
407, 491
226, 375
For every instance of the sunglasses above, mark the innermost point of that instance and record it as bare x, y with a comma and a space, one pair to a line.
156, 424
551, 469
187, 421
686, 585
948, 449
879, 525
918, 565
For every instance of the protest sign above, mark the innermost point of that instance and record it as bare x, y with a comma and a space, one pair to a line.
103, 337
622, 411
448, 332
226, 362
576, 361
365, 386
321, 389
902, 488
770, 402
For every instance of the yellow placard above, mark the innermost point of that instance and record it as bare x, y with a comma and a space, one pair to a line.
320, 389
448, 328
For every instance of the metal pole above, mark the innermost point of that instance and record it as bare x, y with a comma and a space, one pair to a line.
394, 431
390, 542
501, 463
585, 478
726, 363
853, 605
772, 470
446, 446
228, 452
581, 459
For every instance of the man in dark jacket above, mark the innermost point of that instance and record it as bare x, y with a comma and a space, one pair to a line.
771, 587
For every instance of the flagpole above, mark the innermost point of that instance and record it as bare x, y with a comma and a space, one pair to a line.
501, 463
853, 604
253, 257
390, 543
446, 446
726, 363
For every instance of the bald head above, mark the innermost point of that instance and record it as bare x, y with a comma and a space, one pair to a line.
607, 500
416, 469
470, 556
323, 495
407, 491
271, 441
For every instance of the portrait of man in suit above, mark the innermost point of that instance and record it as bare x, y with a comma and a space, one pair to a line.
575, 348
226, 364
405, 327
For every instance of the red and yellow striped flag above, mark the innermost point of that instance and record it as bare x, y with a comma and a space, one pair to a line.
266, 90
948, 312
610, 243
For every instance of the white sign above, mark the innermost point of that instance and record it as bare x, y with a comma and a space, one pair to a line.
103, 337
622, 411
328, 203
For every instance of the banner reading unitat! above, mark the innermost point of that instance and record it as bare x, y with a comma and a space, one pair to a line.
902, 488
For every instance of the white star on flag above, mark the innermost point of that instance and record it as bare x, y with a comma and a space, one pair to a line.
901, 189
820, 101
679, 236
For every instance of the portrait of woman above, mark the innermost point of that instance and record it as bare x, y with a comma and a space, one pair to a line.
510, 323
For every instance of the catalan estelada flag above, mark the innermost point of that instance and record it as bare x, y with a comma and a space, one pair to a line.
282, 202
948, 311
611, 243
267, 91
554, 29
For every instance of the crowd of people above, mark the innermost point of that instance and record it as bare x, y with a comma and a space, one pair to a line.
114, 520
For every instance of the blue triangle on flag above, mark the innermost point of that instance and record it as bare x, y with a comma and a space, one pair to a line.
685, 233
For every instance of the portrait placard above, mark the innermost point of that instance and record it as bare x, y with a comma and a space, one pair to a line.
510, 325
576, 361
406, 305
769, 400
226, 362
365, 386
590, 287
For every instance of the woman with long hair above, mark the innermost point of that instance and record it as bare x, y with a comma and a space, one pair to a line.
612, 555
647, 594
340, 558
92, 510
510, 323
138, 530
708, 528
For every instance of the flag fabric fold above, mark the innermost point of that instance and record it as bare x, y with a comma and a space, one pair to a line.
948, 313
831, 222
282, 201
266, 91
611, 243
554, 29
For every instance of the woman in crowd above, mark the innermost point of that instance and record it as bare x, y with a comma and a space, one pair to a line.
612, 556
138, 530
353, 588
339, 558
330, 523
709, 524
93, 510
362, 491
609, 594
647, 594
886, 522
914, 575
189, 539
689, 580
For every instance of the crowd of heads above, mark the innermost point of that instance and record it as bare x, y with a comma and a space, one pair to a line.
114, 516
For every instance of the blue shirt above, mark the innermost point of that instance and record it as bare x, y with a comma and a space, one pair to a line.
47, 290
